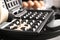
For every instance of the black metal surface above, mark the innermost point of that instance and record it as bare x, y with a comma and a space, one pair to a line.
44, 36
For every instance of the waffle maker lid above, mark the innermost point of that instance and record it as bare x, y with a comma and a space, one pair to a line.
13, 6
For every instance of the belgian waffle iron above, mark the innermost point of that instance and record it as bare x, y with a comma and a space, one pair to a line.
25, 22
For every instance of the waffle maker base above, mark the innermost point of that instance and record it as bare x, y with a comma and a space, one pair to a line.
23, 35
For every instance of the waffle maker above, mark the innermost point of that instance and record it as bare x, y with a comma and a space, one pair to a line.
25, 23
